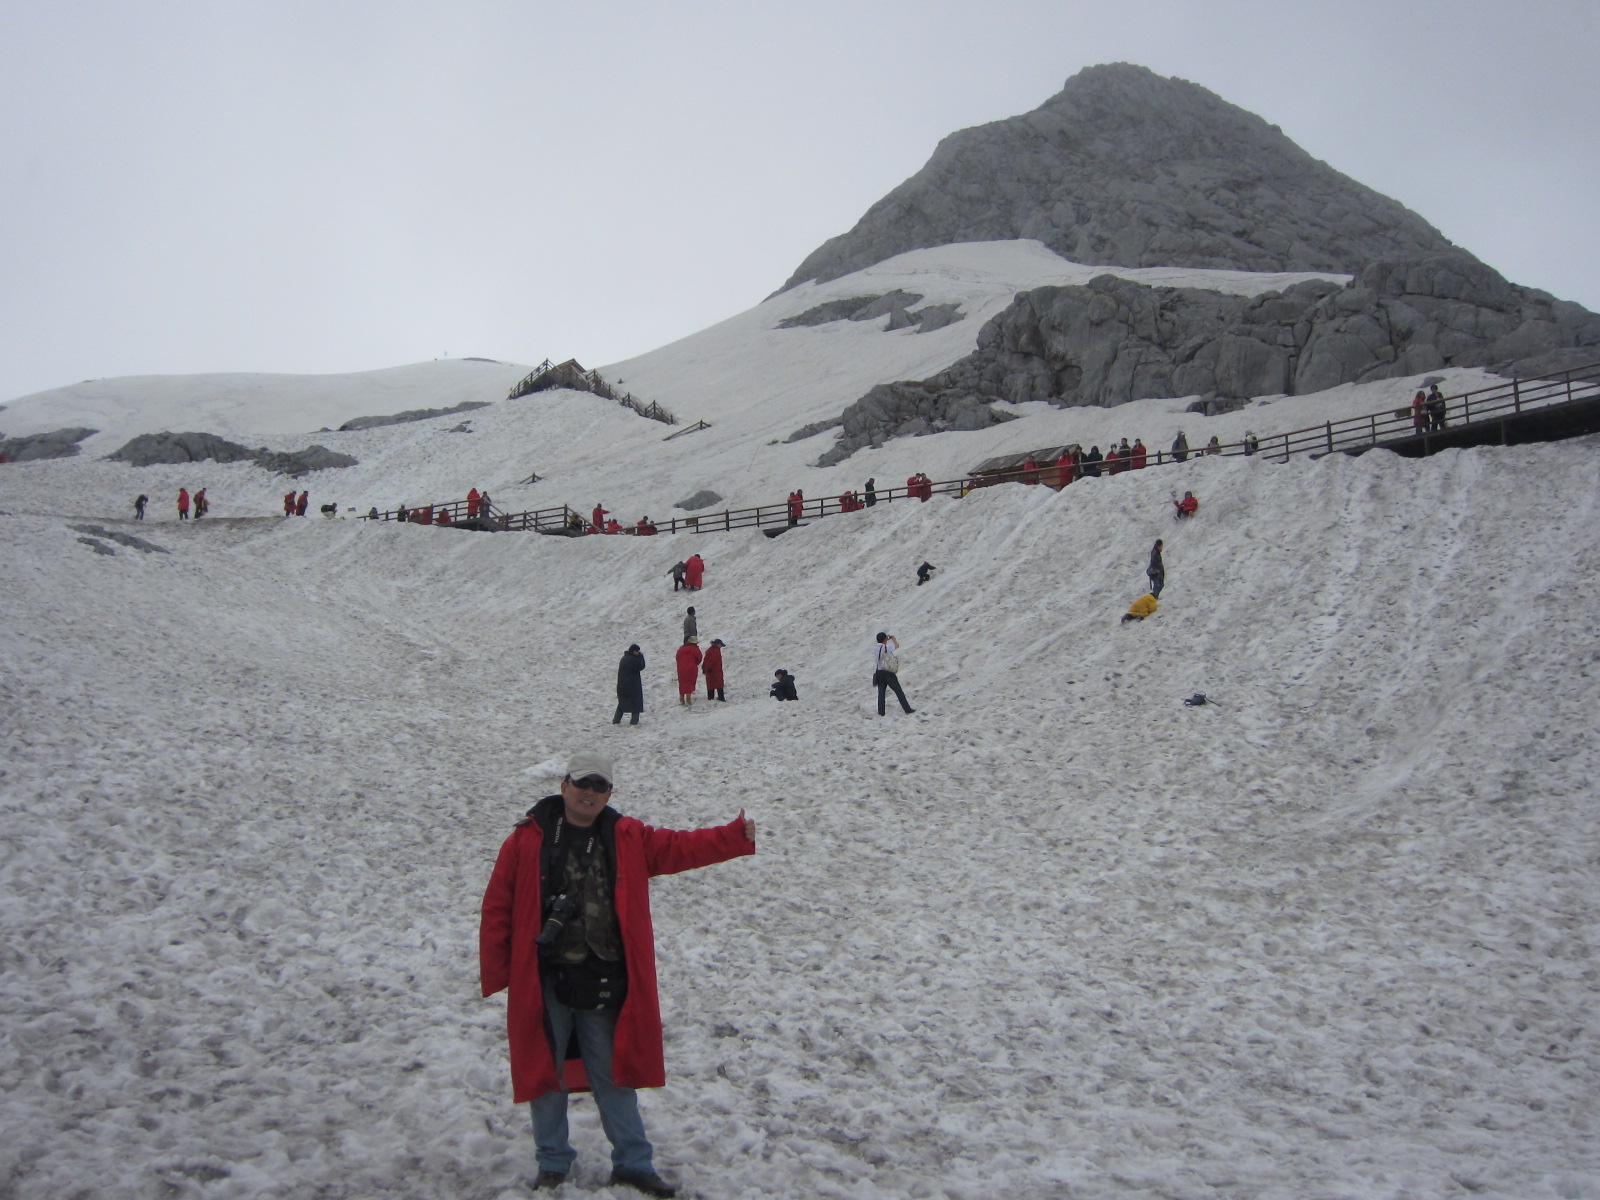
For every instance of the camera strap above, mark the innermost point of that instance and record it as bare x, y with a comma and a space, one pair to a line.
555, 877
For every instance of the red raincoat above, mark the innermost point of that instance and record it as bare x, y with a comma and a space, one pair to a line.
472, 503
694, 570
508, 957
688, 667
713, 667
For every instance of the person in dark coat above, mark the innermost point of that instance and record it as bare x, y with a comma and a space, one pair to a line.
1091, 463
1180, 447
138, 506
630, 685
1156, 572
1436, 408
925, 571
691, 626
677, 571
885, 671
871, 492
783, 686
711, 668
301, 504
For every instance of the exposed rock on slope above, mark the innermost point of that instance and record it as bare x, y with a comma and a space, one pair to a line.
414, 414
150, 448
1124, 167
1115, 340
58, 443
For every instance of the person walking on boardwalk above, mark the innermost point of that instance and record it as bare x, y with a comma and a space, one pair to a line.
138, 506
871, 493
565, 929
885, 672
472, 504
1141, 454
712, 669
630, 685
694, 572
688, 670
597, 518
1436, 408
183, 504
1180, 447
1156, 572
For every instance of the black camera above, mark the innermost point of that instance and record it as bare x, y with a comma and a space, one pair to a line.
561, 910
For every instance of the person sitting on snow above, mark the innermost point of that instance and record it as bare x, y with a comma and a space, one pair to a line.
783, 686
1187, 506
1142, 608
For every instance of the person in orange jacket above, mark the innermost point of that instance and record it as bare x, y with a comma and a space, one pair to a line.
183, 504
689, 657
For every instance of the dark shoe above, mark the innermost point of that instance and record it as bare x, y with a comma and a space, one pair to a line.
549, 1179
647, 1182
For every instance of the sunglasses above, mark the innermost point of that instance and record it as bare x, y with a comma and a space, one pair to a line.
589, 783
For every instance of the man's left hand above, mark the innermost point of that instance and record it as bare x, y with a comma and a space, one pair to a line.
749, 826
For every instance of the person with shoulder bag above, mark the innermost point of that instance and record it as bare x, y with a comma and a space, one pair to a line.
885, 672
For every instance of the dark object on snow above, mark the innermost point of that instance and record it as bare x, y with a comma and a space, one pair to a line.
482, 524
413, 414
1196, 700
924, 571
59, 443
783, 686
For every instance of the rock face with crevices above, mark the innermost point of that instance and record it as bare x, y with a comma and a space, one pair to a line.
1124, 167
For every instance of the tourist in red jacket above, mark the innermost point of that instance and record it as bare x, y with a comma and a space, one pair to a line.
183, 504
472, 503
712, 667
688, 670
1141, 454
694, 572
575, 843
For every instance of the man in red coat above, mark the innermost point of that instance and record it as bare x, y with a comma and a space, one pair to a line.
183, 504
566, 960
712, 668
688, 669
472, 503
694, 572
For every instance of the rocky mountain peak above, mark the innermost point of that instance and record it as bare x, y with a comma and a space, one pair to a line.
1124, 167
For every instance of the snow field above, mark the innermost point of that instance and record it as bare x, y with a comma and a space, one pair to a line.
1054, 934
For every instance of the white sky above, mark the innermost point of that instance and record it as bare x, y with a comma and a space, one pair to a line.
298, 187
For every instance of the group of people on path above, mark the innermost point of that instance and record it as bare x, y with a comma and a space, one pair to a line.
689, 573
296, 505
601, 521
198, 504
1428, 410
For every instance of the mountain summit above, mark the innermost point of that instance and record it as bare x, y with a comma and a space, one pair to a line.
1123, 167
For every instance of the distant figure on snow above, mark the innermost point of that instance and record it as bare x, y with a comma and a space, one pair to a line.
783, 686
1156, 572
797, 505
872, 492
301, 504
201, 505
1091, 463
924, 572
330, 510
288, 504
1142, 608
688, 670
597, 519
1214, 446
630, 685
885, 672
691, 627
711, 668
1251, 444
1187, 506
183, 504
1141, 454
472, 503
677, 571
694, 572
1436, 408
1419, 412
138, 506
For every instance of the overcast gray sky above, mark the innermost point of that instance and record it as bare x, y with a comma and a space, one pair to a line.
275, 185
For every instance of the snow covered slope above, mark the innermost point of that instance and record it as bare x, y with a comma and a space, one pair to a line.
1056, 933
1331, 935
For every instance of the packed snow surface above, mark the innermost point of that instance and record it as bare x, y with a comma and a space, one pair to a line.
1331, 934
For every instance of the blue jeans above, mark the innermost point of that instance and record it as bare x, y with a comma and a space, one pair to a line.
619, 1106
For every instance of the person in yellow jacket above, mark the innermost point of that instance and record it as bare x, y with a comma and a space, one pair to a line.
1142, 608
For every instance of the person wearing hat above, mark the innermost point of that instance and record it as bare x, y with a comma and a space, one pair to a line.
566, 931
712, 668
688, 669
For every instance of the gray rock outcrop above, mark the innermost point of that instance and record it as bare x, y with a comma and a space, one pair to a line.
414, 414
58, 443
1113, 341
1126, 168
149, 449
704, 498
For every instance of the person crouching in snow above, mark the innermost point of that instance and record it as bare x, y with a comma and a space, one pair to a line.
1142, 608
688, 670
783, 686
565, 927
924, 572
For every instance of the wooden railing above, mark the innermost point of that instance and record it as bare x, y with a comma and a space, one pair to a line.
1478, 407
